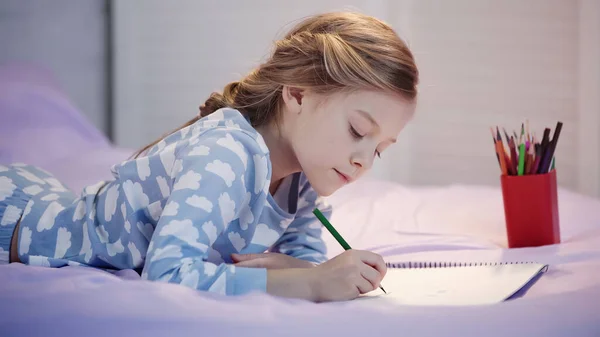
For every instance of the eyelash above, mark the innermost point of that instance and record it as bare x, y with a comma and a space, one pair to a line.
358, 136
355, 133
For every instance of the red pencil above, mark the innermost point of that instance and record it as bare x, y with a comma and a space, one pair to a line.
513, 155
538, 157
500, 150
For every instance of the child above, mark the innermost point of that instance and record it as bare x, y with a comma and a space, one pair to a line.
201, 206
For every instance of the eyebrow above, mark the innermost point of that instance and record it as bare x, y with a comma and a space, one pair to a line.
372, 120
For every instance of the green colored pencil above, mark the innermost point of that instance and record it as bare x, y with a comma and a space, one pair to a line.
522, 155
335, 234
522, 152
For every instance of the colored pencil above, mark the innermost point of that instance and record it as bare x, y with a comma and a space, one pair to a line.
513, 156
495, 148
335, 233
501, 153
522, 153
544, 148
552, 148
526, 154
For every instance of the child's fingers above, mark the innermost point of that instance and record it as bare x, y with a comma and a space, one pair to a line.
374, 260
246, 257
371, 274
258, 263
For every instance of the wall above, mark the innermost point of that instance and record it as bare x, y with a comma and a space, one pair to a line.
66, 37
483, 63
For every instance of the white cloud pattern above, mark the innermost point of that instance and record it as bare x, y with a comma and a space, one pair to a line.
237, 241
211, 232
86, 245
115, 248
227, 207
147, 230
31, 190
171, 209
200, 150
235, 146
200, 202
63, 243
210, 269
177, 168
110, 202
55, 183
7, 187
223, 170
11, 215
260, 172
167, 157
155, 210
136, 256
185, 231
79, 212
25, 240
102, 234
47, 219
246, 215
50, 197
163, 186
31, 177
190, 180
143, 168
135, 195
264, 236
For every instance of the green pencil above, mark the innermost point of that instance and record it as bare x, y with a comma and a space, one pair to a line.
522, 155
522, 152
335, 234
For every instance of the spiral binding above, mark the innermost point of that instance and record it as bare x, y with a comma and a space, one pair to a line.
419, 264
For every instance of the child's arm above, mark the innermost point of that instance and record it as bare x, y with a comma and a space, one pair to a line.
211, 180
302, 239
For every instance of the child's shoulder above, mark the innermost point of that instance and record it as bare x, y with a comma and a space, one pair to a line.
226, 127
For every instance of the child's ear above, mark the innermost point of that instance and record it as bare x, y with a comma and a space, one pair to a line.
292, 97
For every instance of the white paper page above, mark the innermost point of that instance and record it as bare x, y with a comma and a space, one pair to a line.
453, 286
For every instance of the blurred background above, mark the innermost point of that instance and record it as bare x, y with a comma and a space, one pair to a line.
139, 68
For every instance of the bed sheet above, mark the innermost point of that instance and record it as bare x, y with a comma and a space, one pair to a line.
75, 301
457, 223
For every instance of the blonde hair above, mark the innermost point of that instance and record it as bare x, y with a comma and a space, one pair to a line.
326, 53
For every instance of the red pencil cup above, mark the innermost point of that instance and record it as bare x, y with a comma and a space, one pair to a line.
531, 209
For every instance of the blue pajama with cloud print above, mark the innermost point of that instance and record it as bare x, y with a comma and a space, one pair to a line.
175, 214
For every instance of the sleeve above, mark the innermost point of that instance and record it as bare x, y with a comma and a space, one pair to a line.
208, 193
302, 239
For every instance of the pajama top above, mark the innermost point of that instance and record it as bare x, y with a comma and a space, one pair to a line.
177, 213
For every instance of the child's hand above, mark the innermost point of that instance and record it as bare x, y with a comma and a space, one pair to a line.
348, 275
269, 261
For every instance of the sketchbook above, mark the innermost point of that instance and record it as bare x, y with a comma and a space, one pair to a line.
442, 283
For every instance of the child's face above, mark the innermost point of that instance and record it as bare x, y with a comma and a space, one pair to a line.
336, 140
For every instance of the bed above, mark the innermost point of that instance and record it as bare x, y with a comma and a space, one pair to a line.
457, 223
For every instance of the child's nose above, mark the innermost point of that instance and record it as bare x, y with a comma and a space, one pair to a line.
362, 162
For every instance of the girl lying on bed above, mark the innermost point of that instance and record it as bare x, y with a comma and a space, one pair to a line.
201, 206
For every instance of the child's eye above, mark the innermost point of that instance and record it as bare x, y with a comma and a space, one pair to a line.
355, 133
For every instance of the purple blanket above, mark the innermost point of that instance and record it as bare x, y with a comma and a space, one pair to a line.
76, 301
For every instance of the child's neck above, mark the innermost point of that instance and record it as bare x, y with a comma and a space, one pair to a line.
283, 160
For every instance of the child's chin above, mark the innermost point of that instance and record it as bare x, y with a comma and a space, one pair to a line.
324, 184
325, 191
